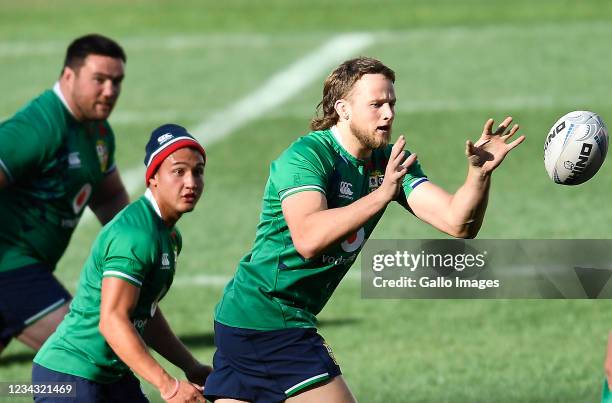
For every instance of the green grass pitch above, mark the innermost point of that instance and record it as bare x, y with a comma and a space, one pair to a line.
457, 63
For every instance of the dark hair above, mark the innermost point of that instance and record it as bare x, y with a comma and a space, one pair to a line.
92, 44
340, 82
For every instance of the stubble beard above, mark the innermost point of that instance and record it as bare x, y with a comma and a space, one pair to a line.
369, 140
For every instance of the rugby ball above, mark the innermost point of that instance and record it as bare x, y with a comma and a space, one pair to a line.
575, 147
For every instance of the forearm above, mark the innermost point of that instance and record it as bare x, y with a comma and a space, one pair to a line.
125, 341
469, 203
324, 228
159, 336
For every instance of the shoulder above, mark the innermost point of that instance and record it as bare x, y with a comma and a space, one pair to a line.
133, 226
315, 148
43, 117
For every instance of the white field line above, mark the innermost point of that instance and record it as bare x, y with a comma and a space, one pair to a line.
354, 275
174, 42
178, 42
272, 93
218, 281
403, 106
459, 105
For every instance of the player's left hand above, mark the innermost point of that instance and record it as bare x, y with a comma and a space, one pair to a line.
491, 148
198, 373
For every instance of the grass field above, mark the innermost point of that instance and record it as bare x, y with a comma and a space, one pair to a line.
457, 63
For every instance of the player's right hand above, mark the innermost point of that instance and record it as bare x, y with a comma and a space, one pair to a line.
397, 167
187, 393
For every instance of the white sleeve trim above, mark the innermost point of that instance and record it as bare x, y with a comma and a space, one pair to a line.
299, 189
121, 274
416, 182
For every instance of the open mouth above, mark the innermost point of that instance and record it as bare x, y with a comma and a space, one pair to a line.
386, 129
189, 198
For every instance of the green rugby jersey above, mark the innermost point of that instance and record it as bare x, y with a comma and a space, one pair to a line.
136, 247
53, 163
274, 287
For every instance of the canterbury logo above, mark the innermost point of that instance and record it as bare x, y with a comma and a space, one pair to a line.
164, 137
165, 261
345, 188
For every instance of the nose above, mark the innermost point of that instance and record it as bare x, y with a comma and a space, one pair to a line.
388, 112
193, 181
110, 89
189, 181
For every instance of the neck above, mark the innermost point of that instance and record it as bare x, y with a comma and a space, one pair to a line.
350, 142
168, 217
67, 100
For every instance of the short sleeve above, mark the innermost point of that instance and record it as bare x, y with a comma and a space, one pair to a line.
129, 255
413, 178
298, 169
22, 149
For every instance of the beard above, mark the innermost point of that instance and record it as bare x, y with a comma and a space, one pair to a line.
370, 140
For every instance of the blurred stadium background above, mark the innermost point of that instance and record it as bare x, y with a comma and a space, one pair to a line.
246, 76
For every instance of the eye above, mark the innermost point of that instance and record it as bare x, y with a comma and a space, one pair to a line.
178, 171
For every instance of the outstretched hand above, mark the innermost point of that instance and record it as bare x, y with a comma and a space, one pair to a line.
491, 148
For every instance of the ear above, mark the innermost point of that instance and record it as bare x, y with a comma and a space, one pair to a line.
343, 109
153, 181
67, 74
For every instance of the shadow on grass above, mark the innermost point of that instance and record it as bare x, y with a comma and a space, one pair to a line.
198, 340
17, 358
339, 322
208, 339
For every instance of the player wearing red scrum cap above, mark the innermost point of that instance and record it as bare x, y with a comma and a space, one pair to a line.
115, 315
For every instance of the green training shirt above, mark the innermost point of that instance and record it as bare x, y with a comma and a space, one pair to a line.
54, 164
274, 287
136, 247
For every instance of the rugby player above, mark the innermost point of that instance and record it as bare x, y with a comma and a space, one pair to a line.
115, 314
56, 157
323, 198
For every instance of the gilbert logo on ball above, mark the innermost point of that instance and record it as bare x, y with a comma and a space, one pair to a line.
575, 148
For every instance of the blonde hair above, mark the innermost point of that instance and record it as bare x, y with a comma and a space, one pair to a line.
340, 82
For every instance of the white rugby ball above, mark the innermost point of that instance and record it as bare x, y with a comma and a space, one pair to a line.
575, 147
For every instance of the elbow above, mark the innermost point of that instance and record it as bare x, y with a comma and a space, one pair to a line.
106, 325
466, 235
464, 232
305, 248
103, 326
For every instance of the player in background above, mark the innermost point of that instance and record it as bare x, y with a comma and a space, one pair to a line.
115, 315
56, 157
323, 198
607, 386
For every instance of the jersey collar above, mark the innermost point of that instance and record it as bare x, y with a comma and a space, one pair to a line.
151, 200
58, 92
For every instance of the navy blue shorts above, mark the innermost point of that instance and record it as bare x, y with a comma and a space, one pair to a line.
26, 295
126, 389
268, 366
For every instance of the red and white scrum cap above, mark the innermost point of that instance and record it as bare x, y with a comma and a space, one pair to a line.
164, 141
